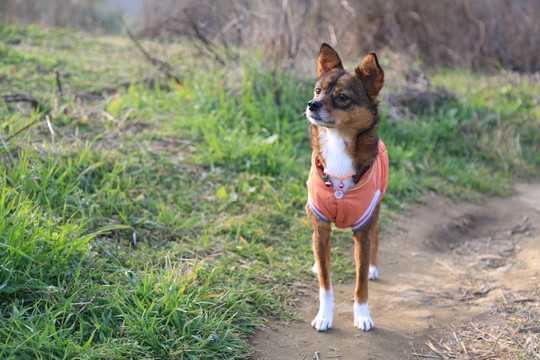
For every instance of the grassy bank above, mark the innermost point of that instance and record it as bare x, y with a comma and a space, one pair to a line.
146, 219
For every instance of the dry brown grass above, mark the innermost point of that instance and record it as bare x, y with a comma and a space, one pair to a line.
514, 333
480, 33
484, 33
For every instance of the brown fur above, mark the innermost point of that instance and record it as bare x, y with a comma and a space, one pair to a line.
357, 120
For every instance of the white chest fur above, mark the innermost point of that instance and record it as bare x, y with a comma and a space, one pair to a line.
338, 162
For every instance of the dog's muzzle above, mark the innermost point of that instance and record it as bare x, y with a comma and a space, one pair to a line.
314, 105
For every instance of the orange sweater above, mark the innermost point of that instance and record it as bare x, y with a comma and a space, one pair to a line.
358, 205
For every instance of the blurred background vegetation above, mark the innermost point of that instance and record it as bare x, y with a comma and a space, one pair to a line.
480, 33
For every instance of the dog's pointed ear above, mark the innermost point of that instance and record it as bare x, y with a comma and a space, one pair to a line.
372, 74
328, 60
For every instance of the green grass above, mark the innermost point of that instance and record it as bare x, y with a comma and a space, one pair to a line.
478, 143
165, 221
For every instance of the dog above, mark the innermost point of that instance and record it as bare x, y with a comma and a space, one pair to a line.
348, 176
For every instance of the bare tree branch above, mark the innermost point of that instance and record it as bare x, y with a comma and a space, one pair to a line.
21, 98
161, 65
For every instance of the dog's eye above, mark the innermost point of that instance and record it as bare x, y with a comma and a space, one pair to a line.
318, 91
343, 97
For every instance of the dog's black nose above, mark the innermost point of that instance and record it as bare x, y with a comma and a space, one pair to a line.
314, 105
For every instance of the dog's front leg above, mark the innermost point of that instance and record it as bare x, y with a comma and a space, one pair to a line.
362, 252
321, 250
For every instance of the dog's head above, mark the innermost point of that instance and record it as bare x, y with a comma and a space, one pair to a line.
345, 100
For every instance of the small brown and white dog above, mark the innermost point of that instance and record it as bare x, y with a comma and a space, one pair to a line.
348, 176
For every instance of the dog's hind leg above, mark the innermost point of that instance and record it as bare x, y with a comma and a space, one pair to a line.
373, 272
321, 249
362, 253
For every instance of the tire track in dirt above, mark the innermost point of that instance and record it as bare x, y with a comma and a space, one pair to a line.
444, 263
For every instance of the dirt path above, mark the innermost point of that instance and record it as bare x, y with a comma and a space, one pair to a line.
444, 265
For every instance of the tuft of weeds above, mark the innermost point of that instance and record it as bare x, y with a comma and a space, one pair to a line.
63, 297
166, 221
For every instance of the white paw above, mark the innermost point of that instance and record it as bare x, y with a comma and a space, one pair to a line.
323, 320
362, 320
373, 273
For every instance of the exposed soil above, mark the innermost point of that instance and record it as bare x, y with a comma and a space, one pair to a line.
447, 270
